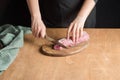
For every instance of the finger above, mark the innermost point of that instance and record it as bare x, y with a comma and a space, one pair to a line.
74, 32
38, 30
35, 30
77, 33
81, 31
69, 30
43, 32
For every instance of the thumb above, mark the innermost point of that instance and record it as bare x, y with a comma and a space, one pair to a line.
43, 33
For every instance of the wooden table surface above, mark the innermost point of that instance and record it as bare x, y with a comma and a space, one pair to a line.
99, 61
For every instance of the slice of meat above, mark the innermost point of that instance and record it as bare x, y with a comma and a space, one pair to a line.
57, 47
69, 42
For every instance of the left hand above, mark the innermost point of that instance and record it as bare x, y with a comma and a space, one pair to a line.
76, 29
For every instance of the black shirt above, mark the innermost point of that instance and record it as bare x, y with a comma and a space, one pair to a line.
60, 13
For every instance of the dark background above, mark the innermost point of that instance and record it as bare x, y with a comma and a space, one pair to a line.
108, 13
16, 12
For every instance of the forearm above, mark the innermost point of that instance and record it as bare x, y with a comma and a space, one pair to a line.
34, 9
85, 10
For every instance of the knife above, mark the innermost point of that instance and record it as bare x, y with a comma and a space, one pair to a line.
49, 38
54, 41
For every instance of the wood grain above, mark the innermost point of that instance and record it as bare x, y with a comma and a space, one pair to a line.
99, 61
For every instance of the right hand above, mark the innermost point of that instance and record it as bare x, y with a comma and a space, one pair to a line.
38, 28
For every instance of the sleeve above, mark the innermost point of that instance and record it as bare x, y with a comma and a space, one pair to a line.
96, 1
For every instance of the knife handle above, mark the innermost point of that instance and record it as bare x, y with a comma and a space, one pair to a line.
49, 38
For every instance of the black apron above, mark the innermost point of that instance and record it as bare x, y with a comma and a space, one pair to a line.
60, 13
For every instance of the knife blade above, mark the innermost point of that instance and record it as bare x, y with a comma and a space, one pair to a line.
54, 41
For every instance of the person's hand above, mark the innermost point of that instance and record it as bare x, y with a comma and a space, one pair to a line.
76, 29
38, 28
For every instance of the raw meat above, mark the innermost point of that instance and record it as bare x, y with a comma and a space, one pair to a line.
69, 42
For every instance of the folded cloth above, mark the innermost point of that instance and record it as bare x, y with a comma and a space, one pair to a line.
11, 39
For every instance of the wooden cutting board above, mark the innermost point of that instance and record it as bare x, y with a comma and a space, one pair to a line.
48, 50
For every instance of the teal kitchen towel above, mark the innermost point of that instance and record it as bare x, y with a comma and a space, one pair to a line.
12, 38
